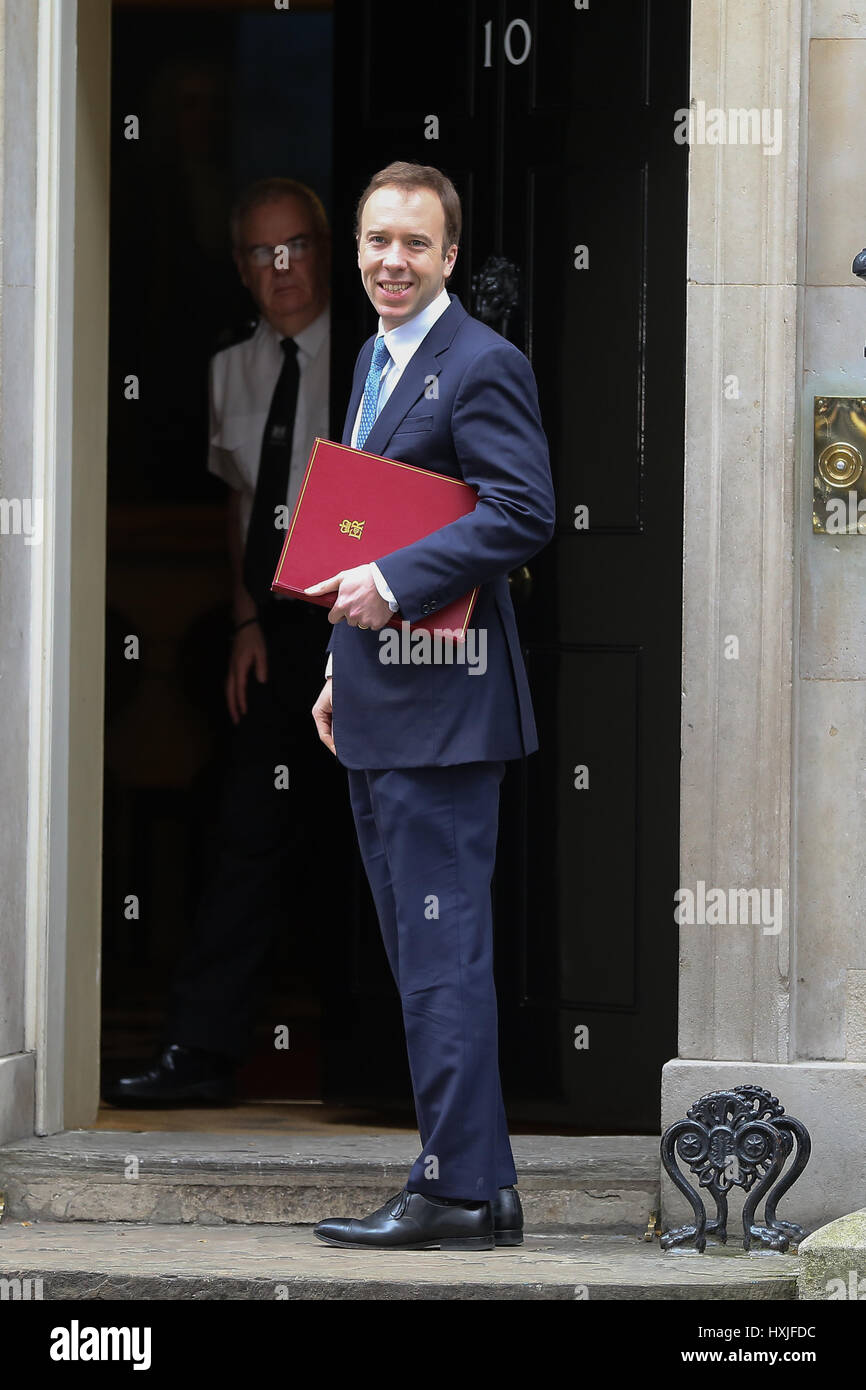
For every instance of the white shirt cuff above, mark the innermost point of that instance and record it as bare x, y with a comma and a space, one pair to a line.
382, 587
330, 666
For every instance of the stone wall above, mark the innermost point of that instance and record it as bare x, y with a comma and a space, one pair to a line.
773, 730
831, 638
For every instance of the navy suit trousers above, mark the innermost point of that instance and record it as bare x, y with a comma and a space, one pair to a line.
428, 841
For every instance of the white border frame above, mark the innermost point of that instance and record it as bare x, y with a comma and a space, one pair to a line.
48, 803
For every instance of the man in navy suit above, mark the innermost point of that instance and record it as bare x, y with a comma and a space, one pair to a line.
425, 745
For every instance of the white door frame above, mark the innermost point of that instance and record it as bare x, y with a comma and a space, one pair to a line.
68, 569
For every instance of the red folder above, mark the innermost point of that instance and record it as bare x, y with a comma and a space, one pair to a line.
354, 507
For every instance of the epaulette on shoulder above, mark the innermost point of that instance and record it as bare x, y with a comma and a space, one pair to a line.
236, 333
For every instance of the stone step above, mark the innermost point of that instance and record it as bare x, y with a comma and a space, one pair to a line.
608, 1184
102, 1260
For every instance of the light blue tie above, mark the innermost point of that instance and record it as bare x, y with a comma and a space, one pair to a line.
371, 390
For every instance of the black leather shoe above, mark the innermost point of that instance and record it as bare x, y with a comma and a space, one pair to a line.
409, 1221
508, 1217
180, 1076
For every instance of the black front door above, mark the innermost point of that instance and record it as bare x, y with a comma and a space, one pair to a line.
556, 123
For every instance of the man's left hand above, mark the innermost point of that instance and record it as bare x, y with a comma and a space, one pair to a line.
358, 600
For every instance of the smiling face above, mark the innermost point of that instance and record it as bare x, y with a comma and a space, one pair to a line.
292, 296
400, 252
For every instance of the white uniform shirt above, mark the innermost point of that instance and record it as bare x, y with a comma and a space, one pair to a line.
242, 381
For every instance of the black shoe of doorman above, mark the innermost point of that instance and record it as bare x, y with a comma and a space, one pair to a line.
179, 1076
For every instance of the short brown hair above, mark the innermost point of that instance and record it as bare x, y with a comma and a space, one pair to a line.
402, 174
271, 191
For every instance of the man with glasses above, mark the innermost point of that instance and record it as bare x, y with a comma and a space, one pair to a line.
268, 401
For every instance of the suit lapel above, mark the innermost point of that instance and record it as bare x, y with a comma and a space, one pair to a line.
422, 365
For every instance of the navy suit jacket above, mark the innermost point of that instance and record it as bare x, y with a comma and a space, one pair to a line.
483, 426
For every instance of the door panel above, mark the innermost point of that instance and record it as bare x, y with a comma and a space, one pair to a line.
556, 125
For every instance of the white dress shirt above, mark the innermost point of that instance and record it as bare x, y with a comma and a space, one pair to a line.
402, 343
242, 381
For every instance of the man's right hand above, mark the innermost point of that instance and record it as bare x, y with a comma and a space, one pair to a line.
248, 650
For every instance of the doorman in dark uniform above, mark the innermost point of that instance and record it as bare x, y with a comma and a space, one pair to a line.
426, 743
268, 401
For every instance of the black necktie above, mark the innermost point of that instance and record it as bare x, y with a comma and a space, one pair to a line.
264, 538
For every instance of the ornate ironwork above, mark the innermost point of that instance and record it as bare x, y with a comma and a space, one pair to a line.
736, 1138
496, 292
